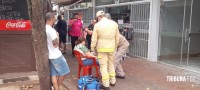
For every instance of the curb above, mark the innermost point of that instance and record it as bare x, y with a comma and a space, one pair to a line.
18, 79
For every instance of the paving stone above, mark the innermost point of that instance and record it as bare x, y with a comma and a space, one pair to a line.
140, 75
33, 77
1, 81
10, 88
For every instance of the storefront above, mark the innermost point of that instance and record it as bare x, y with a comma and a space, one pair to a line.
16, 49
16, 36
163, 30
180, 33
131, 14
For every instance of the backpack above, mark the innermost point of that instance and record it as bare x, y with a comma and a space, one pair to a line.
88, 83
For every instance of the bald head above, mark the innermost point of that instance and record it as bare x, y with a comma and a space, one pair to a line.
108, 15
49, 16
50, 19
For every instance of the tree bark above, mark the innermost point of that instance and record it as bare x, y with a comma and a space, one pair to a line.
37, 13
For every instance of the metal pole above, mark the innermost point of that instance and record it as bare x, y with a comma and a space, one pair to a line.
94, 6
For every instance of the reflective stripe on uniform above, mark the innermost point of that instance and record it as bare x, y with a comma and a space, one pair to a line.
106, 50
105, 77
112, 74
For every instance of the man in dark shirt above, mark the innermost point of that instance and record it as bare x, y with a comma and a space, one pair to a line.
89, 30
62, 30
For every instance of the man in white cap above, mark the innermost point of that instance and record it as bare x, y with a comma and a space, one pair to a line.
105, 39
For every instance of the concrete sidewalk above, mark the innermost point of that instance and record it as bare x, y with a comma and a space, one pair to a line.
140, 75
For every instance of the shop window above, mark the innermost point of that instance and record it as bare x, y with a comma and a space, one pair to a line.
123, 1
120, 13
104, 2
82, 5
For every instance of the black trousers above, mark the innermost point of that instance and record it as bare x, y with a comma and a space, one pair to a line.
88, 38
73, 40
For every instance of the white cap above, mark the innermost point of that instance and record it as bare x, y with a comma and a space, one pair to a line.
99, 13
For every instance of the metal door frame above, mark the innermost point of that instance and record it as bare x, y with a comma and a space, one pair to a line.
185, 33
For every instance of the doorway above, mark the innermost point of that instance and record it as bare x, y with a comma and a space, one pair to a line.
180, 33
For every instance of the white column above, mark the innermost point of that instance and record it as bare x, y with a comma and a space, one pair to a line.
58, 9
94, 6
68, 18
154, 30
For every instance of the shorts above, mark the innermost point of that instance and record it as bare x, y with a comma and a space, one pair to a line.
59, 66
62, 38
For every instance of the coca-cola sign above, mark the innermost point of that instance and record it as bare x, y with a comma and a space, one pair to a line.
15, 25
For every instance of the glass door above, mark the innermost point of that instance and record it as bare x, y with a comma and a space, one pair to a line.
192, 36
185, 32
172, 22
180, 33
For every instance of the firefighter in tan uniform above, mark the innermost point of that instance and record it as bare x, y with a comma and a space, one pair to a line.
121, 50
105, 39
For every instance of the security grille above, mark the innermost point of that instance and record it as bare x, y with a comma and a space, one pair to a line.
140, 14
97, 9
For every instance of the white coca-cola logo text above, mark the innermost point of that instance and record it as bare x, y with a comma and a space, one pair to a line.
18, 24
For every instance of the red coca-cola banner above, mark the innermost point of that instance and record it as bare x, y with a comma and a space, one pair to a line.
15, 25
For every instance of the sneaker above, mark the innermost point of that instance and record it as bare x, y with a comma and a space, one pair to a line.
106, 88
112, 84
120, 77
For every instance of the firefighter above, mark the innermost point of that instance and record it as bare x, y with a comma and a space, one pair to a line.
121, 50
105, 39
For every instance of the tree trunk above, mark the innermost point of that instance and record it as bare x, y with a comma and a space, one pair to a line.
37, 13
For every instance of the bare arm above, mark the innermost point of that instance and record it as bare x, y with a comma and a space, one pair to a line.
70, 23
55, 42
88, 31
89, 55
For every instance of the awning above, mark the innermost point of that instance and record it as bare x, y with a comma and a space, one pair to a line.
68, 2
64, 2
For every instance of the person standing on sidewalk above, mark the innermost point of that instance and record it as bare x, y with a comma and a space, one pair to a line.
89, 30
62, 30
105, 39
121, 50
75, 30
58, 65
